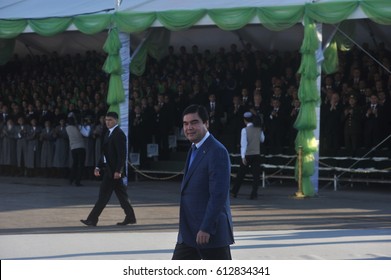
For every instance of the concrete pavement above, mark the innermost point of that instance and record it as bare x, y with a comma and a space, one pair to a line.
39, 219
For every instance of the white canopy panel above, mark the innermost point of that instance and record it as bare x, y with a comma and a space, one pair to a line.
32, 9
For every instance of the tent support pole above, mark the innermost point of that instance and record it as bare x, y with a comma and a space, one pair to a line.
124, 106
319, 58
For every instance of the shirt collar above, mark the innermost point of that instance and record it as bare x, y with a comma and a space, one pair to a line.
111, 129
202, 140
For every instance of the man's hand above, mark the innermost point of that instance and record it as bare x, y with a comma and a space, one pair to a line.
244, 161
117, 175
202, 238
96, 172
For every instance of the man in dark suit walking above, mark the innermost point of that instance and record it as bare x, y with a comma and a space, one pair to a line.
205, 221
112, 165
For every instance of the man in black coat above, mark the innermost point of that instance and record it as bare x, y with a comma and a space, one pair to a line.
112, 165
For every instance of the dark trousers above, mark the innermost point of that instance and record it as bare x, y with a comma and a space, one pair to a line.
254, 164
185, 252
107, 186
78, 161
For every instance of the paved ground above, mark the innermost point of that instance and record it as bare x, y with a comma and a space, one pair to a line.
39, 219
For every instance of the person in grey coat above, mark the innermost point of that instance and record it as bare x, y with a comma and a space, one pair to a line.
61, 151
33, 148
8, 149
47, 138
78, 151
22, 130
86, 130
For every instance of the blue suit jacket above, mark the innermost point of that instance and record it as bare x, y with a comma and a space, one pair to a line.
205, 203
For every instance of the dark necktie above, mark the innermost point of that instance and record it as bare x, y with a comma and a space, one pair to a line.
193, 154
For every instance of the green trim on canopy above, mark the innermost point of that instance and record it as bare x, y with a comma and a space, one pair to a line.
232, 19
331, 13
12, 28
49, 26
377, 10
180, 20
280, 18
92, 24
130, 22
273, 17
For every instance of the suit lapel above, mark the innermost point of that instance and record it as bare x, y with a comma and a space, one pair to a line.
197, 160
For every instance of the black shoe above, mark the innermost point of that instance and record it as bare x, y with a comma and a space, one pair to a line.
127, 221
79, 184
89, 223
253, 197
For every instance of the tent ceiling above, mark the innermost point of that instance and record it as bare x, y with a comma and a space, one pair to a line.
33, 9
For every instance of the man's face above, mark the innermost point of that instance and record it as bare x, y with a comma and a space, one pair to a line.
110, 122
194, 128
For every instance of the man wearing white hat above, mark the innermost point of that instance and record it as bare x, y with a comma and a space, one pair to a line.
251, 137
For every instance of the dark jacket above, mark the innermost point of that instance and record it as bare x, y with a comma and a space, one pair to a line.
114, 151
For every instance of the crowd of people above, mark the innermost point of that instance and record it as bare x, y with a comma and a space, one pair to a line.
38, 92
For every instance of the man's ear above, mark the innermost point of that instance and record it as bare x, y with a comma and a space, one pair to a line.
207, 124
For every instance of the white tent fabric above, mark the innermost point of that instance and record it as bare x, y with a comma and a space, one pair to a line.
33, 9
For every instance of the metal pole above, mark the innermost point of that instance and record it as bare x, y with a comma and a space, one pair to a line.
299, 193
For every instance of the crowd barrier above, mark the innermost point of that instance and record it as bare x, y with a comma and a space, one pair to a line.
333, 170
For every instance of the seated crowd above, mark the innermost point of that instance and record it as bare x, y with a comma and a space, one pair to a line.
38, 92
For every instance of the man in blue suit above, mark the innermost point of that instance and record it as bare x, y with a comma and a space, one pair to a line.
205, 221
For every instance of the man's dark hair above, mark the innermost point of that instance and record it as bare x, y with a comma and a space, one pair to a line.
199, 109
112, 114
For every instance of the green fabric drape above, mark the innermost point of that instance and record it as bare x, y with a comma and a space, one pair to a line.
92, 24
332, 12
49, 26
180, 20
309, 97
232, 19
138, 63
112, 66
12, 28
280, 18
130, 22
377, 10
156, 45
330, 63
